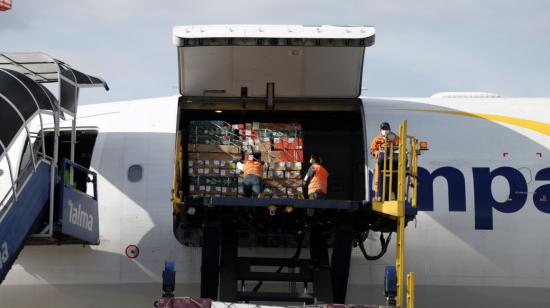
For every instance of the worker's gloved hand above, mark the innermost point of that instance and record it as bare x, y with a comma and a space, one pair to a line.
240, 166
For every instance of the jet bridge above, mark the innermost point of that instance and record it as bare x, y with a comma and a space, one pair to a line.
40, 201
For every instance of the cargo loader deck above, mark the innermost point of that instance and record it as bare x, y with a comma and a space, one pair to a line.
220, 225
277, 222
229, 223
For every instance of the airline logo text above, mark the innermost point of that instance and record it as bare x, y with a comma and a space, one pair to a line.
80, 218
484, 201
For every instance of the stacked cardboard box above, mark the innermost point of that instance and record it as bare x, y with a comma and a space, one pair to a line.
284, 179
215, 146
213, 151
281, 148
282, 142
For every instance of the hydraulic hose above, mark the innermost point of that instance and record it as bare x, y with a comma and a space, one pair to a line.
384, 243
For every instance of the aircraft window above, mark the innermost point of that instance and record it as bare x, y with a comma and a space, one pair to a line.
135, 173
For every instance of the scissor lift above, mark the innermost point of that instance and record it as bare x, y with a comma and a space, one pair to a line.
220, 240
385, 203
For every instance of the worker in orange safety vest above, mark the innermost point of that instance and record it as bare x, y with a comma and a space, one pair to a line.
253, 172
379, 142
316, 179
377, 147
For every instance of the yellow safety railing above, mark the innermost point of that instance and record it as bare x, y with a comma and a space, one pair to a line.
392, 203
405, 150
410, 290
178, 174
413, 169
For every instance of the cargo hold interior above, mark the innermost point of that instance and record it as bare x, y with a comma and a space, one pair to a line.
336, 135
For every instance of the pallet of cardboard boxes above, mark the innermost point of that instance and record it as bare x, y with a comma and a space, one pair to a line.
215, 147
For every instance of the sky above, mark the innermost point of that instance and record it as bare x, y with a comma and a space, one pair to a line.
422, 47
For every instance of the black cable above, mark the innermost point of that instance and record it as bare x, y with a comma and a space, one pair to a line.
384, 243
294, 257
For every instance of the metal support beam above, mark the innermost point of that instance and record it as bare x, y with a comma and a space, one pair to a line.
400, 249
400, 260
229, 265
42, 138
10, 170
410, 290
54, 167
322, 280
73, 143
210, 261
340, 262
255, 202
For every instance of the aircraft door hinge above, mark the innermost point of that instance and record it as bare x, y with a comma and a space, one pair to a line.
270, 93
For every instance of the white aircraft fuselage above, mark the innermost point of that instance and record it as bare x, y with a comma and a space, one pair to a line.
480, 239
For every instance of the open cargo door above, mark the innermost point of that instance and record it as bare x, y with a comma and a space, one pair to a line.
294, 61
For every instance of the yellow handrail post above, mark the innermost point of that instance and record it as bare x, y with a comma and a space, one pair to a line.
400, 249
410, 290
390, 172
178, 173
414, 170
406, 173
402, 164
384, 172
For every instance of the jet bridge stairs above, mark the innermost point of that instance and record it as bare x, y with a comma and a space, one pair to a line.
27, 210
40, 203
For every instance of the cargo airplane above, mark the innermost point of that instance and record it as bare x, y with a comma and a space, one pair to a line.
481, 236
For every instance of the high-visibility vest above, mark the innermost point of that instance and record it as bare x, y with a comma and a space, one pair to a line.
253, 167
379, 142
319, 180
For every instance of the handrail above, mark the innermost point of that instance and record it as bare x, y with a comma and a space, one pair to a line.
35, 158
20, 183
406, 175
77, 166
178, 174
23, 172
410, 290
407, 184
